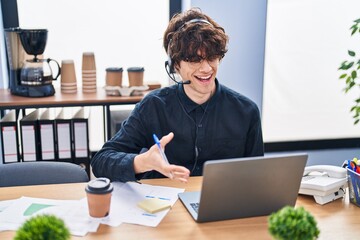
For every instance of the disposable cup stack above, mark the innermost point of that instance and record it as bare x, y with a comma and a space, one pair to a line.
68, 77
88, 73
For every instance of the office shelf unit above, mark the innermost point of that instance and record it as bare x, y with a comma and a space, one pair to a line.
79, 99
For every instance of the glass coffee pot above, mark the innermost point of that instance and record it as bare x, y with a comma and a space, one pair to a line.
36, 71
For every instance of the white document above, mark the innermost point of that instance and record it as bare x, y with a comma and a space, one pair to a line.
126, 196
5, 204
73, 212
47, 142
64, 140
80, 135
28, 142
10, 146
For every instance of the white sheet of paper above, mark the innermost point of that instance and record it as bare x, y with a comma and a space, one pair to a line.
76, 215
5, 204
126, 196
73, 212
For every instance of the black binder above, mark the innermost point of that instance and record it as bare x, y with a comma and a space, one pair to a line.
47, 136
30, 144
63, 132
81, 139
9, 138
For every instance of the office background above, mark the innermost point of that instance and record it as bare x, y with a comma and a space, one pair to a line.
282, 54
301, 99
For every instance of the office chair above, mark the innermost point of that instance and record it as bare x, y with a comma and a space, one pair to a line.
117, 118
37, 173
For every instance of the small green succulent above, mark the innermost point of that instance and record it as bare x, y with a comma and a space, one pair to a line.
43, 227
295, 224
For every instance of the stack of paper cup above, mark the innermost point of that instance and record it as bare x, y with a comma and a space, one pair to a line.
88, 73
68, 77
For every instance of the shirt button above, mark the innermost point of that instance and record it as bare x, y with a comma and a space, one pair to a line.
200, 125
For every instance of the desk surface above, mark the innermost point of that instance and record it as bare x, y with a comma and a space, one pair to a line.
7, 100
336, 220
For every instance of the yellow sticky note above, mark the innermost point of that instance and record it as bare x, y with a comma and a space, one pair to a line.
154, 205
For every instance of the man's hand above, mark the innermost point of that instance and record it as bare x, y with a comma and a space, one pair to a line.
152, 160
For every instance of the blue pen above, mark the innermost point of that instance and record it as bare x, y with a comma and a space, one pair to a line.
162, 153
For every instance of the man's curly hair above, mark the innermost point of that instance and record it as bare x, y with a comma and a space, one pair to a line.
183, 40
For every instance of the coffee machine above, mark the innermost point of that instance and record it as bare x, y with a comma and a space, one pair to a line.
30, 76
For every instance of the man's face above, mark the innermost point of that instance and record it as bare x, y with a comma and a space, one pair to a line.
202, 76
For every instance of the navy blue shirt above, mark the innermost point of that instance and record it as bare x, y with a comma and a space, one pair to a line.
228, 125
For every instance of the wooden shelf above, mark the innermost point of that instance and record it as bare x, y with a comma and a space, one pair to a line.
10, 101
79, 99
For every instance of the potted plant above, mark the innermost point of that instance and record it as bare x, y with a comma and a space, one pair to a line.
43, 227
293, 223
350, 69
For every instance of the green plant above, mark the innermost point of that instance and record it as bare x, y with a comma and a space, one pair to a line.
43, 227
351, 73
295, 224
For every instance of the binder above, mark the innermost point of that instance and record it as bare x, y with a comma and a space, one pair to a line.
47, 139
63, 130
9, 138
81, 139
30, 147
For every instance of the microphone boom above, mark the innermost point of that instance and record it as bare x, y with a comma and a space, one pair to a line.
172, 77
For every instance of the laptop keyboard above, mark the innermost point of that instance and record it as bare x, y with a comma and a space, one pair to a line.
195, 206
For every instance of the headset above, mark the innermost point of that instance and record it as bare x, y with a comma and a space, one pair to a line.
169, 64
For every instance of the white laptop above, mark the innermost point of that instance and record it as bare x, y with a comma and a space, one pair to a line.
246, 187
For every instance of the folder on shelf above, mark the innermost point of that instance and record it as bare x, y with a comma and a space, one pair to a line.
47, 135
63, 130
30, 147
9, 138
81, 139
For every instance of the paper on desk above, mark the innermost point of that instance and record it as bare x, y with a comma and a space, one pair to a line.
73, 212
5, 204
126, 196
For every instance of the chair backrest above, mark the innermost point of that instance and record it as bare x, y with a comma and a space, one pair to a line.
37, 173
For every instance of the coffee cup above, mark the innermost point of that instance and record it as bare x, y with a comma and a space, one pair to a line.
114, 77
99, 192
136, 76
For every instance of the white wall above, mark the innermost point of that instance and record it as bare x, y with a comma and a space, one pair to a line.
123, 33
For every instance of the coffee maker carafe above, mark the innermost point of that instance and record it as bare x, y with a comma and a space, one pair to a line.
30, 76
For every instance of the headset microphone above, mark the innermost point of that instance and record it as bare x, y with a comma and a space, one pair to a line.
171, 75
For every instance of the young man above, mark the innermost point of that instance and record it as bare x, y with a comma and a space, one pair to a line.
198, 119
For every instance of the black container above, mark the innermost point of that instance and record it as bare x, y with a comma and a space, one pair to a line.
34, 40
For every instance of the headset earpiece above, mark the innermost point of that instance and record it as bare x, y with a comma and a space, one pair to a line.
170, 62
171, 65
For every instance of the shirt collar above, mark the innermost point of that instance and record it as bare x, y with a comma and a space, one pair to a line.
190, 105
